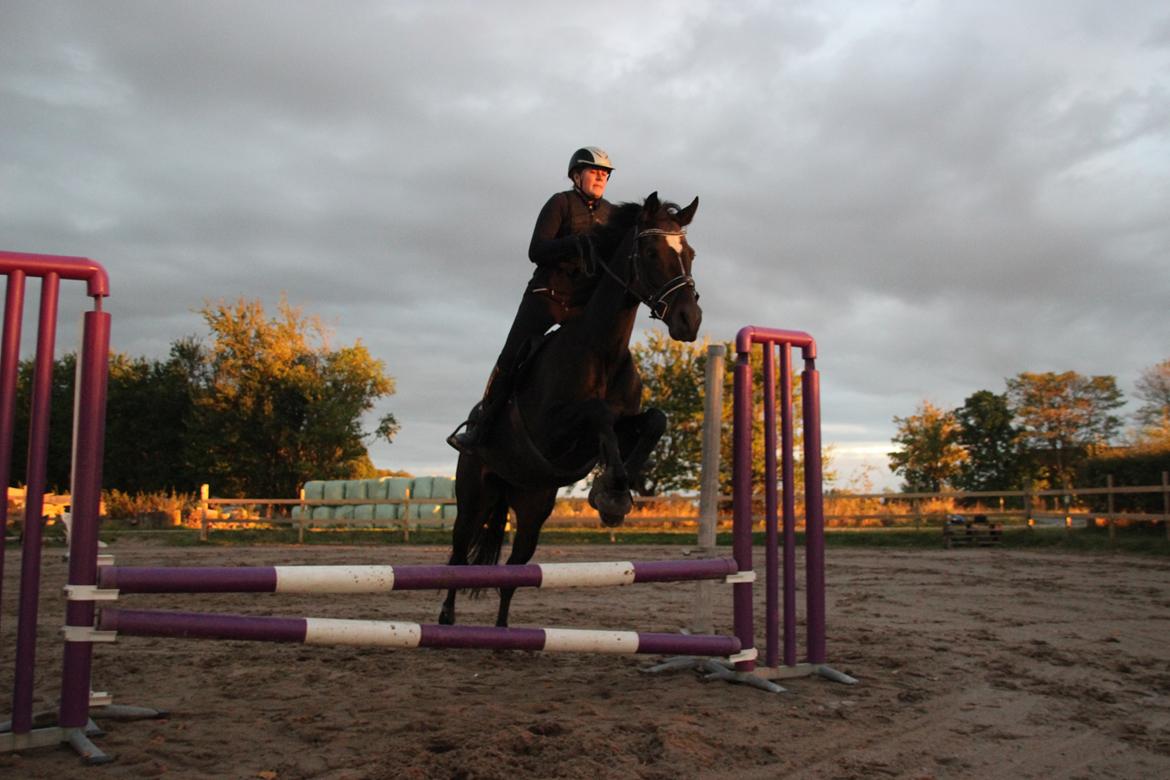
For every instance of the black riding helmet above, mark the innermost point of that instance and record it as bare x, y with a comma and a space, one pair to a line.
590, 156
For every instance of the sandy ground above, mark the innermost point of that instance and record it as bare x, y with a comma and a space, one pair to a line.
973, 663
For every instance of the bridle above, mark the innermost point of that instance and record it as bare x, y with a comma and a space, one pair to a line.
658, 303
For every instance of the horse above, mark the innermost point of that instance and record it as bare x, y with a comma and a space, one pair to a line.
577, 401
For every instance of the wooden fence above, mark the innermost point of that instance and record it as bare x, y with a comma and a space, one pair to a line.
1067, 507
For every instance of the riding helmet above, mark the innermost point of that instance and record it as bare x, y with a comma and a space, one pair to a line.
592, 157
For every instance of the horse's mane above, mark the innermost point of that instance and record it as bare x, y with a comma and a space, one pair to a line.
621, 218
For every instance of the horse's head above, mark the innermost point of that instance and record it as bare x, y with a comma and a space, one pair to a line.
662, 266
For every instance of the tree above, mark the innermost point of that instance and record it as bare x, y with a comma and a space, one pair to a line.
273, 405
994, 460
672, 381
60, 442
929, 455
148, 407
1153, 389
673, 377
1064, 418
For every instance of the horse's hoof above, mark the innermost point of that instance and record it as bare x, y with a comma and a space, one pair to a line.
446, 618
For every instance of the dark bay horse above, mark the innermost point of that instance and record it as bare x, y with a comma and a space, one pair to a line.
578, 401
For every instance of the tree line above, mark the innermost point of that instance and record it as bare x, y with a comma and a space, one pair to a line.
261, 405
1045, 428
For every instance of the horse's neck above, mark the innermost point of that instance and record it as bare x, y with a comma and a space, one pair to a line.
609, 316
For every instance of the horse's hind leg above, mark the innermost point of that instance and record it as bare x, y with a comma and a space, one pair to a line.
532, 509
471, 496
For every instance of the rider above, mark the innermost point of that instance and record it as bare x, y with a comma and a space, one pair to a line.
560, 285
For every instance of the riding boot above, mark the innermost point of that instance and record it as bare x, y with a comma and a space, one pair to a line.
495, 395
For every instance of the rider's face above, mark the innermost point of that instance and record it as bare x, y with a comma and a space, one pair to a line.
591, 181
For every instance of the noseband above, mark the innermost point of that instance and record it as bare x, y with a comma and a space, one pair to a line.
658, 303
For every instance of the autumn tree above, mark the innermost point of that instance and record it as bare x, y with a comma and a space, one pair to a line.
1153, 390
994, 460
929, 455
673, 376
672, 381
274, 405
1064, 418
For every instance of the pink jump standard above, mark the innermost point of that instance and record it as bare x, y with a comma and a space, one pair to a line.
773, 340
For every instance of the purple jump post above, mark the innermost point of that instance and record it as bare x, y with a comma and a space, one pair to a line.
785, 341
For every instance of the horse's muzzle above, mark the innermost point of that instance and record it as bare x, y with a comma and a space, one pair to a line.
684, 320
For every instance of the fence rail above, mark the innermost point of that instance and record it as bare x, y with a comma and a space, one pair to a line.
897, 509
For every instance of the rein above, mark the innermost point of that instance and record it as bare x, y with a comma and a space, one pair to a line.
658, 303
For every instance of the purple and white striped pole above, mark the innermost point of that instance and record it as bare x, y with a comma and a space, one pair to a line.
404, 635
377, 579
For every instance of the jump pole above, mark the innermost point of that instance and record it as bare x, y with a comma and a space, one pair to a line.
404, 635
113, 580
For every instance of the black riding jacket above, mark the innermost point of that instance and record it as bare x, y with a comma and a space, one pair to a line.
557, 251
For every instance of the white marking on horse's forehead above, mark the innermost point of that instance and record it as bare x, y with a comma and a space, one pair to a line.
675, 243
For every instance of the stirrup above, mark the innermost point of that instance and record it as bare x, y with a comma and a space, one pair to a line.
463, 438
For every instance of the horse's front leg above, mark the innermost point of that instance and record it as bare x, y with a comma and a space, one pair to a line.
639, 435
610, 494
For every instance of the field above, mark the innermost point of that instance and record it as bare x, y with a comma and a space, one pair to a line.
973, 663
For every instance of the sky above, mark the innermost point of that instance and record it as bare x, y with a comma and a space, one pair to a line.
944, 194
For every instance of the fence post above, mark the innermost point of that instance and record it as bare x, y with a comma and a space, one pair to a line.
916, 507
1109, 509
301, 519
1029, 521
204, 494
406, 517
701, 620
1166, 502
1066, 503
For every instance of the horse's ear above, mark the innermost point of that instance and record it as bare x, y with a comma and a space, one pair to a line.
685, 216
651, 205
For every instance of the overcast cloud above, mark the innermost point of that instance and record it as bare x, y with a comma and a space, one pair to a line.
944, 194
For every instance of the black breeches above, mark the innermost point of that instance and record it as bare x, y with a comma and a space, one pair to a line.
537, 313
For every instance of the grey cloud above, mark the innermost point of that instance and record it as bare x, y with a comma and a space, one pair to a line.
943, 196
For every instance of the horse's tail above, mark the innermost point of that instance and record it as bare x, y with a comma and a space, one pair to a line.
488, 536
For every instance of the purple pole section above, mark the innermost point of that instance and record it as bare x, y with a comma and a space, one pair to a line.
771, 563
9, 358
195, 579
814, 513
741, 592
30, 557
679, 571
787, 446
195, 625
681, 644
88, 451
486, 637
64, 267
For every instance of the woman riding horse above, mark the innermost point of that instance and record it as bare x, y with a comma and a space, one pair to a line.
580, 401
560, 285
